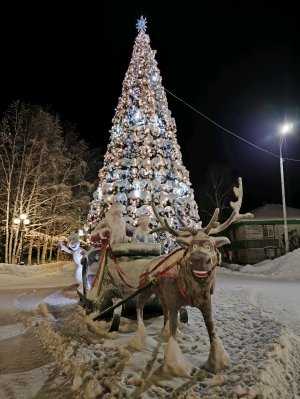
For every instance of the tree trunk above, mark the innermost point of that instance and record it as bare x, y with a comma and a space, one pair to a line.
44, 251
38, 249
13, 237
50, 250
7, 237
29, 261
8, 250
57, 255
15, 246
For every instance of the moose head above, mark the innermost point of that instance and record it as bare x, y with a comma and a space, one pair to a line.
202, 247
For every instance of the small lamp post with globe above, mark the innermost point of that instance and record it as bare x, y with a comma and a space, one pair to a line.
22, 222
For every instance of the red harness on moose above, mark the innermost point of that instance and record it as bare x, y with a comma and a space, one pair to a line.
122, 275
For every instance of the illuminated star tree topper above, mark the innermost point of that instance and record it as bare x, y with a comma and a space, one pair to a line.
141, 24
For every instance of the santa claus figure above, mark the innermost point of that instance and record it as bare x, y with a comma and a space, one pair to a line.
113, 226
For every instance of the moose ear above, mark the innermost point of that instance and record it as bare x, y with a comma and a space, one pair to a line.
220, 241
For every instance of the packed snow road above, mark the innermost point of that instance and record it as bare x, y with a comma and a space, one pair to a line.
280, 299
27, 370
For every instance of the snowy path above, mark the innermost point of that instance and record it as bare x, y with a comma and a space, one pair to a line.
280, 299
26, 368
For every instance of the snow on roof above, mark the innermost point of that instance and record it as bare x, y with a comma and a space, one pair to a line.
275, 212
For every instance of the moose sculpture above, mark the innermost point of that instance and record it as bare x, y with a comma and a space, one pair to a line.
191, 282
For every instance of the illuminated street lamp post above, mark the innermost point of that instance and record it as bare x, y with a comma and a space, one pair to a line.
22, 222
285, 129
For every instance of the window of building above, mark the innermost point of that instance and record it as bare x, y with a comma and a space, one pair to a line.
268, 231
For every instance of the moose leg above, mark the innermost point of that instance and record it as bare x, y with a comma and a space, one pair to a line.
141, 301
166, 316
174, 361
140, 340
173, 302
167, 294
173, 318
218, 358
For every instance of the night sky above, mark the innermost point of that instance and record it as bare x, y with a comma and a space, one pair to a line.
240, 66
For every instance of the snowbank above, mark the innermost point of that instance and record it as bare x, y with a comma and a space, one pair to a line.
285, 267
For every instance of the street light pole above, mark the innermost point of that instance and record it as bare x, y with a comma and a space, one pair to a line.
285, 228
22, 221
285, 129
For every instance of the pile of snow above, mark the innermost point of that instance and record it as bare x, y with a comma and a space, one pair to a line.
284, 267
47, 275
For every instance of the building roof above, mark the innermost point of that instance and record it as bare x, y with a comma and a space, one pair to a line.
275, 212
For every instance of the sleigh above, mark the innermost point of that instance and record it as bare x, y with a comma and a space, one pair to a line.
111, 276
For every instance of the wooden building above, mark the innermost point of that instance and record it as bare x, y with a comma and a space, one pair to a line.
262, 237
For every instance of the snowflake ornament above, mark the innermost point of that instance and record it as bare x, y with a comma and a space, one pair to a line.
141, 24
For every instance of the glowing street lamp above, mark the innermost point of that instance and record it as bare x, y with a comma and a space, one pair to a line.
22, 221
285, 129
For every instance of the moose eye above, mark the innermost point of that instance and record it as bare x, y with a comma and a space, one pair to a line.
195, 246
208, 247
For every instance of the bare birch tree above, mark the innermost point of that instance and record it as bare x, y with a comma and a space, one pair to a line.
42, 169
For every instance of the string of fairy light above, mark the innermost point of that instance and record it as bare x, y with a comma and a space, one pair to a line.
227, 130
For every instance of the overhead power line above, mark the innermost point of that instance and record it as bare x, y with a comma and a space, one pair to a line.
228, 131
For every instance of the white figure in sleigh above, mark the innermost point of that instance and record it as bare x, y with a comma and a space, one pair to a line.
142, 232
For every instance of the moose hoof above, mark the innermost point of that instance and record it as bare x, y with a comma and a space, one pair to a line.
217, 361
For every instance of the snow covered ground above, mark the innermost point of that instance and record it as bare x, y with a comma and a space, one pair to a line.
264, 347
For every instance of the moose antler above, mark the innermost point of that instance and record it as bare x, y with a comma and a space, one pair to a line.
185, 227
213, 227
185, 232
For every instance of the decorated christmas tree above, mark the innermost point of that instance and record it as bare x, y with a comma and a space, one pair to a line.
143, 159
